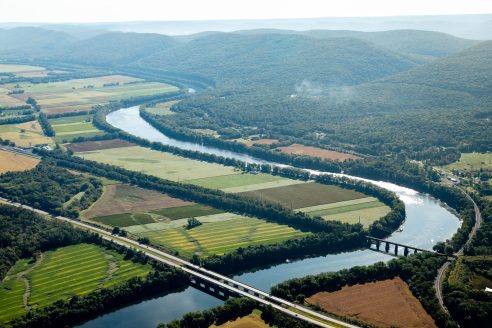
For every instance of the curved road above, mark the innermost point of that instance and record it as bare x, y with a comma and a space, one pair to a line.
442, 270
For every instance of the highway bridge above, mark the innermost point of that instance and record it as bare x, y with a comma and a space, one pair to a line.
210, 281
395, 247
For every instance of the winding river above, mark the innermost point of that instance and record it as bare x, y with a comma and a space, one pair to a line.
428, 221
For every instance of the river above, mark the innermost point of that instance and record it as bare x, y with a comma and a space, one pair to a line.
428, 221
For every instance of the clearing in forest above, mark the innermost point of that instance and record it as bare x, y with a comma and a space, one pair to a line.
298, 149
386, 303
10, 161
472, 162
61, 274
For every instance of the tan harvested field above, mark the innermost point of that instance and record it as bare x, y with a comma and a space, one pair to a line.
15, 162
298, 149
259, 142
26, 134
387, 303
123, 198
99, 145
159, 164
252, 320
7, 100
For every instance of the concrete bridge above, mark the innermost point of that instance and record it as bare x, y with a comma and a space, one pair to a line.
388, 246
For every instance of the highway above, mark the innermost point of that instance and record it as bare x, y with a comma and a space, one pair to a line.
236, 287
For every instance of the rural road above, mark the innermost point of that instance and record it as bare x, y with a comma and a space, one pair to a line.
442, 270
291, 309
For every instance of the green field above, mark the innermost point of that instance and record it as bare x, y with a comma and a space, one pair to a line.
221, 237
159, 164
68, 128
188, 211
11, 68
124, 219
235, 180
61, 274
83, 94
305, 195
472, 162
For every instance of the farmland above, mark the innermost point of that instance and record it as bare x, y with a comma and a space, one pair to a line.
26, 134
60, 274
298, 149
162, 165
10, 161
99, 145
252, 320
472, 162
83, 94
236, 180
7, 100
67, 128
305, 195
27, 70
163, 108
219, 234
388, 303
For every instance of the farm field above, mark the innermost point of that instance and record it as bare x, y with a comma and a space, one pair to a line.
220, 234
159, 164
387, 303
298, 149
99, 145
236, 180
472, 162
163, 108
83, 94
251, 142
305, 195
10, 161
61, 274
67, 128
27, 70
7, 100
252, 320
367, 209
26, 134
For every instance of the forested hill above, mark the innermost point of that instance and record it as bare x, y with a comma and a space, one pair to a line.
468, 71
420, 45
280, 60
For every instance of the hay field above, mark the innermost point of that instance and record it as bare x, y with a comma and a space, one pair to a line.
159, 164
220, 237
252, 320
61, 274
99, 145
7, 100
10, 161
26, 134
387, 303
472, 162
68, 128
298, 149
305, 195
235, 180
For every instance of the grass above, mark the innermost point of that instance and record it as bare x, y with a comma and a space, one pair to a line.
9, 68
367, 210
472, 162
159, 164
235, 180
83, 94
221, 237
188, 211
61, 274
69, 128
163, 108
305, 195
26, 134
15, 162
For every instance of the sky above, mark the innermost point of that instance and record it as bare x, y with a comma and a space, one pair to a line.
90, 11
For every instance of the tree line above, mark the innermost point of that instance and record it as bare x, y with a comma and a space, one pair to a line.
18, 119
46, 125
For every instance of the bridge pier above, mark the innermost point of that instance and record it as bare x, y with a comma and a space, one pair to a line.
378, 243
387, 247
396, 249
405, 252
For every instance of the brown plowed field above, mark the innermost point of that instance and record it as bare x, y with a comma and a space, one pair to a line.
99, 145
384, 303
15, 162
128, 199
298, 149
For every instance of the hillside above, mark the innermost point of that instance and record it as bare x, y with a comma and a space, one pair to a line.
420, 45
280, 60
116, 48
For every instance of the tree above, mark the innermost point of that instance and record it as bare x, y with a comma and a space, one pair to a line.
192, 223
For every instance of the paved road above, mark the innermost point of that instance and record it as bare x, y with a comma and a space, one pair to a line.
214, 278
444, 267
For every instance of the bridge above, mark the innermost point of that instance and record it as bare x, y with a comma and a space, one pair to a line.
209, 281
395, 247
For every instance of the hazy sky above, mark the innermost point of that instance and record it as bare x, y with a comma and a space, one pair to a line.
131, 10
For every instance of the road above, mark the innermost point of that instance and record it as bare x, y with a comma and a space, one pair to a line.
442, 270
291, 309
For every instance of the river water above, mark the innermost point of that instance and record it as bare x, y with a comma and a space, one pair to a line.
428, 221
